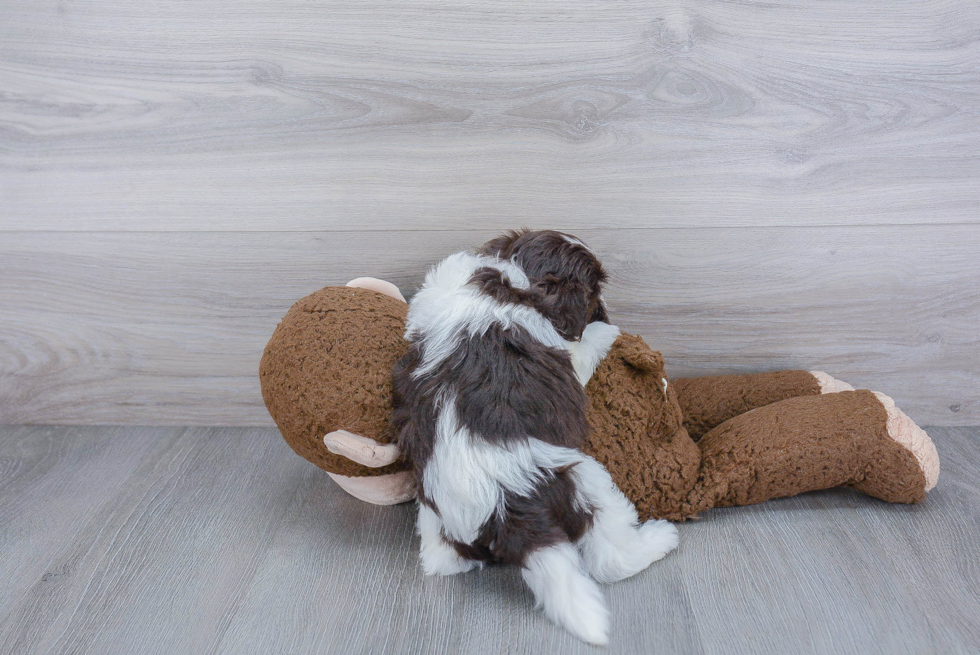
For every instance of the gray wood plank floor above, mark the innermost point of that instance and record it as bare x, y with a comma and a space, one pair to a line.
208, 540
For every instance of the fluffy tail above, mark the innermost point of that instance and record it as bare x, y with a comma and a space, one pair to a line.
566, 593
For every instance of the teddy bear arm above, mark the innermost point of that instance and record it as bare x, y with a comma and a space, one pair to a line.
388, 489
707, 402
361, 450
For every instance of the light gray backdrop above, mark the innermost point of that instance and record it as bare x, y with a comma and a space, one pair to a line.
781, 185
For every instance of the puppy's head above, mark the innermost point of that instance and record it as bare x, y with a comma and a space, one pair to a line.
563, 269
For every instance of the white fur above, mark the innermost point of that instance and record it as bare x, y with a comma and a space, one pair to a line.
615, 548
566, 593
447, 309
588, 353
438, 557
467, 477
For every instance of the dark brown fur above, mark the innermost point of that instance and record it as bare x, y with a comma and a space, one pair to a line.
508, 386
544, 518
567, 273
491, 282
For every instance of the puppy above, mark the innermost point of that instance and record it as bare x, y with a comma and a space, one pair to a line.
490, 409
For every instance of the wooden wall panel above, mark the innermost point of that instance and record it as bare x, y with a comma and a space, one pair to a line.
773, 185
297, 115
168, 328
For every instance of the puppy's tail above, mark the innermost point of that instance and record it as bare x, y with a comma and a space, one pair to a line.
566, 593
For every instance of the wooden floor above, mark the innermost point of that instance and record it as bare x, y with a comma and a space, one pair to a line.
203, 540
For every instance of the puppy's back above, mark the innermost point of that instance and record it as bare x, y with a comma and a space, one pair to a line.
485, 387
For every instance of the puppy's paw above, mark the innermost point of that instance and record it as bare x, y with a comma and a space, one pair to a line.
600, 336
659, 537
622, 553
442, 559
596, 341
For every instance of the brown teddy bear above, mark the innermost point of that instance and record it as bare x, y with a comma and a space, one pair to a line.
674, 448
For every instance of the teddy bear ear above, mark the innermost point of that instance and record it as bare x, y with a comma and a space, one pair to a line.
374, 284
637, 354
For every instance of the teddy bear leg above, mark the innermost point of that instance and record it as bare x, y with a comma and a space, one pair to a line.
710, 401
900, 428
830, 384
878, 480
853, 438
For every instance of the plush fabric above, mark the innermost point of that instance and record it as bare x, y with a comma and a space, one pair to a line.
675, 448
765, 442
328, 367
710, 401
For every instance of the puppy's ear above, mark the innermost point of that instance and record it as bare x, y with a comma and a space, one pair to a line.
502, 246
597, 308
599, 313
565, 304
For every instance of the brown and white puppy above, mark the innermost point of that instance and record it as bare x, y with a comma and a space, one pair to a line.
491, 412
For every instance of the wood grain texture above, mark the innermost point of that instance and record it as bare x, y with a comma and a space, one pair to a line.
165, 561
221, 540
778, 185
863, 577
169, 328
328, 115
67, 474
